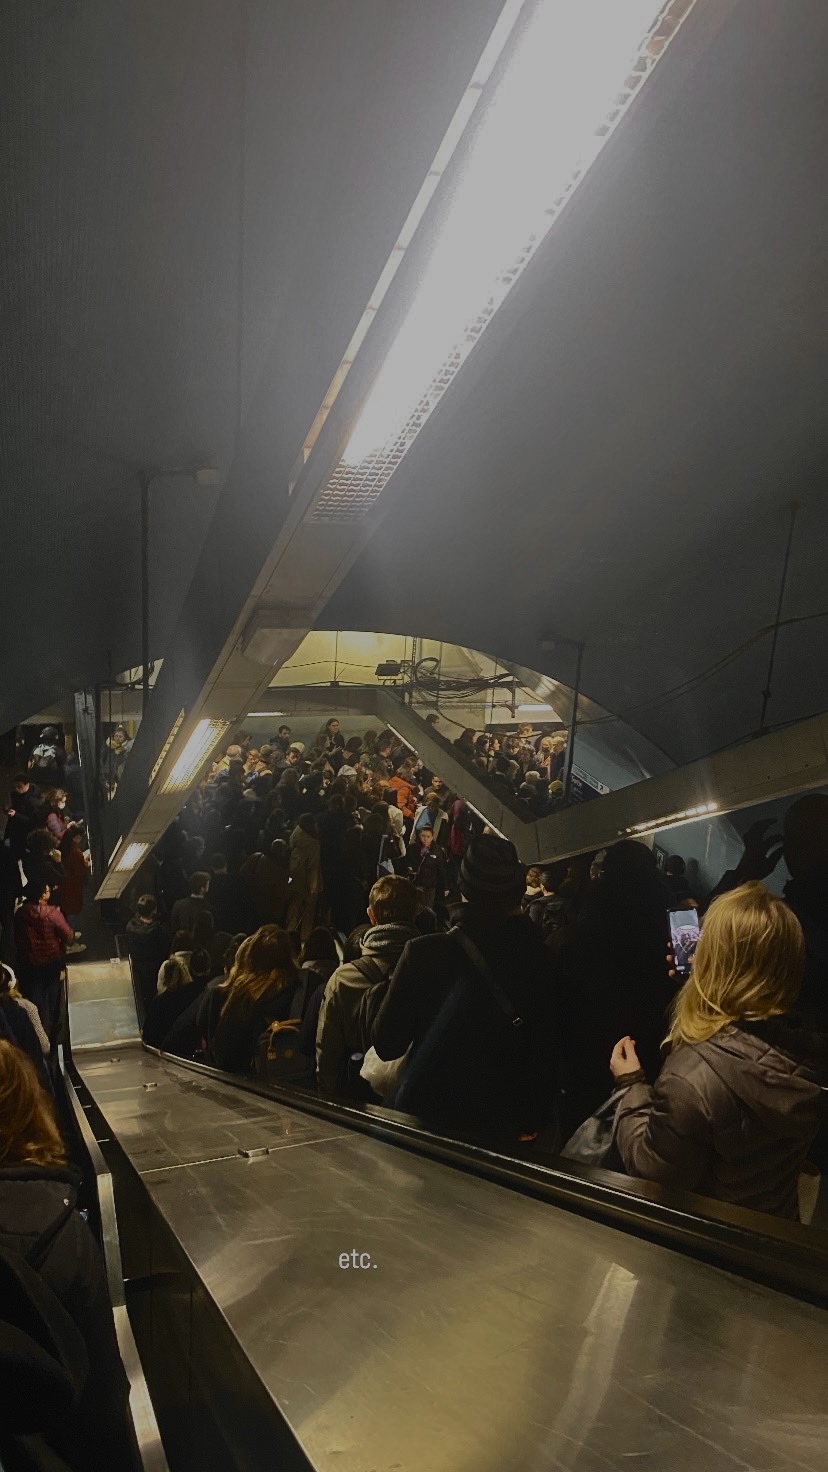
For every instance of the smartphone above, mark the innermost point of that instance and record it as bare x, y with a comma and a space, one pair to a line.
684, 936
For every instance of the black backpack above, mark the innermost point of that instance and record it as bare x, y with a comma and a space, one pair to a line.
43, 1361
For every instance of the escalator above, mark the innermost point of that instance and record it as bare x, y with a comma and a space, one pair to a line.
314, 1284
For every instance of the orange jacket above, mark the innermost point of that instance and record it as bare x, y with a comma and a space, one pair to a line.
406, 795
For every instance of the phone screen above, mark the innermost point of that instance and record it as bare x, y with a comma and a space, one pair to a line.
684, 935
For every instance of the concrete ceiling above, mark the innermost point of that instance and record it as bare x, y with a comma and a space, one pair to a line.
197, 200
619, 469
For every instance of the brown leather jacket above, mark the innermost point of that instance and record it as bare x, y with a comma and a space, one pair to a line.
731, 1118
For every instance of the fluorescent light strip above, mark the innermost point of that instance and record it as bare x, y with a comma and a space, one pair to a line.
575, 69
671, 820
252, 713
456, 128
176, 727
131, 857
115, 850
519, 708
204, 737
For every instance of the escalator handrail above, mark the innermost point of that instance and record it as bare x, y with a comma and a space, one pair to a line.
782, 1255
147, 1435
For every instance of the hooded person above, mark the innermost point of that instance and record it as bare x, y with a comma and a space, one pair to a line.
356, 989
742, 1095
475, 1008
612, 975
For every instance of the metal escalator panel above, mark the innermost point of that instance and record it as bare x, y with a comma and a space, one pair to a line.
147, 1436
101, 1001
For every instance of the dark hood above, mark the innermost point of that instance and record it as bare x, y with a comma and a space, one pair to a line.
31, 1199
777, 1068
808, 895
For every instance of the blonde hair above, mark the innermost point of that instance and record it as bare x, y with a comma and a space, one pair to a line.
264, 963
748, 965
174, 973
29, 1134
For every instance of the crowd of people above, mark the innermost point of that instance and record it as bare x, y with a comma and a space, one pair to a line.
44, 867
334, 916
64, 1394
526, 767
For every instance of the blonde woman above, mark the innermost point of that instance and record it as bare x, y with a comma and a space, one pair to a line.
741, 1096
39, 1221
260, 989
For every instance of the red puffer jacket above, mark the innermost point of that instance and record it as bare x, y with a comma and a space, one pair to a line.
41, 934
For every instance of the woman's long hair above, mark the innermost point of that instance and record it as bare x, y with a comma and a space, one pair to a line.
748, 965
264, 963
28, 1129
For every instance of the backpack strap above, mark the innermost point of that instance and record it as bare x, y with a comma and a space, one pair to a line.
483, 968
39, 1250
369, 969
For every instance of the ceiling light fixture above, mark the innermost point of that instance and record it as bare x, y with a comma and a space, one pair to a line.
176, 727
670, 820
204, 737
131, 857
519, 708
573, 71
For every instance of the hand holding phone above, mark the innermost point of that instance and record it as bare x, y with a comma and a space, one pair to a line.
684, 937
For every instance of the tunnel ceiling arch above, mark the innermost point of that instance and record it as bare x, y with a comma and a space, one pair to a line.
615, 467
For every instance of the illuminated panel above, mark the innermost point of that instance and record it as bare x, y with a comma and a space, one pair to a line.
165, 748
188, 764
573, 72
131, 857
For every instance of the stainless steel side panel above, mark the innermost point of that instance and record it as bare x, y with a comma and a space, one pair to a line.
484, 1331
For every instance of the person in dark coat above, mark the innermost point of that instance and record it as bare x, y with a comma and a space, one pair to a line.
25, 810
428, 870
229, 899
11, 889
612, 975
148, 944
38, 1195
347, 1010
741, 1097
260, 989
471, 1067
185, 912
549, 909
43, 864
183, 986
266, 879
171, 881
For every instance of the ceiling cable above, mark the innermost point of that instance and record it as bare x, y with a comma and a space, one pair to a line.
768, 691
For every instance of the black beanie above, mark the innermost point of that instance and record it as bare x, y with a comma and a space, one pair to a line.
491, 870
